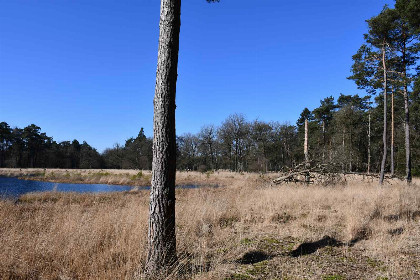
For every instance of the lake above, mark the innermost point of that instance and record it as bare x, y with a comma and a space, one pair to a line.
14, 187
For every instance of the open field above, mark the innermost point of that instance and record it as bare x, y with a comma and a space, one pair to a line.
246, 230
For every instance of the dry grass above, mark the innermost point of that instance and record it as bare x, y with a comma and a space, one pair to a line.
246, 230
125, 177
85, 176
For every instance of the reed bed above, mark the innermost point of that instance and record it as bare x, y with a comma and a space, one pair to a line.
247, 229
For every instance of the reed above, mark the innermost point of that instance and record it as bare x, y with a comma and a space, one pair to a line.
245, 230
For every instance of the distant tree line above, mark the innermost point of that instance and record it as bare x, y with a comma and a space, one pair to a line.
338, 134
239, 145
135, 154
31, 148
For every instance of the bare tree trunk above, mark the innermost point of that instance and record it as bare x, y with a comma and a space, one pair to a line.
306, 151
162, 240
392, 134
382, 174
305, 145
351, 152
212, 157
369, 155
330, 152
406, 121
236, 156
323, 141
407, 136
344, 152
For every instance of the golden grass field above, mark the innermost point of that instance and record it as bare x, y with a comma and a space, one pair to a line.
247, 229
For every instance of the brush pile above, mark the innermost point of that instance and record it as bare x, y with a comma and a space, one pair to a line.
312, 173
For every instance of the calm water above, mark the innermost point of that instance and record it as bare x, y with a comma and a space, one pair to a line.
13, 187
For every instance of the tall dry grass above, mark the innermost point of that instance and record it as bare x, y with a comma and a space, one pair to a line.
104, 236
130, 177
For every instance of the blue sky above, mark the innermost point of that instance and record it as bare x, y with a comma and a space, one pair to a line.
86, 69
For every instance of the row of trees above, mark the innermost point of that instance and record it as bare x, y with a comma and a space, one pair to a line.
387, 63
346, 132
28, 147
239, 145
378, 132
136, 153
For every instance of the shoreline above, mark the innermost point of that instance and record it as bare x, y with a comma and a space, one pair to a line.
69, 181
127, 177
79, 176
142, 178
184, 186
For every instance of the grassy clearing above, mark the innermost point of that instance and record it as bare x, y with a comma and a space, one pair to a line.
247, 230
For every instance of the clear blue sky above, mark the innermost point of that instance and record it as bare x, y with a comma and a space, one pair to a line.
86, 69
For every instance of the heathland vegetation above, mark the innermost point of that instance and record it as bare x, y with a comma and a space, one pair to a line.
245, 230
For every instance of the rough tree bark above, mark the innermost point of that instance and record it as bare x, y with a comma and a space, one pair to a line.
392, 134
323, 141
306, 152
406, 120
407, 137
162, 240
305, 144
382, 174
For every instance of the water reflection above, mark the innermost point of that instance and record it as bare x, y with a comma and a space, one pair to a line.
13, 187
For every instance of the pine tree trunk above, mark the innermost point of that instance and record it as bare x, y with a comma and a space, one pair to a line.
407, 136
392, 134
306, 152
406, 122
162, 241
351, 151
382, 174
323, 141
305, 145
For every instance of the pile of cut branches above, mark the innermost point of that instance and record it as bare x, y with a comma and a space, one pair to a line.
312, 172
324, 174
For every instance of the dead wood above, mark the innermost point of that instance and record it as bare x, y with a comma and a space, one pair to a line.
322, 173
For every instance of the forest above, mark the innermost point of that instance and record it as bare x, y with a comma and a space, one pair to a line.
338, 133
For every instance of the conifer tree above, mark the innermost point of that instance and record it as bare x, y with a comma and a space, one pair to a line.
370, 68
